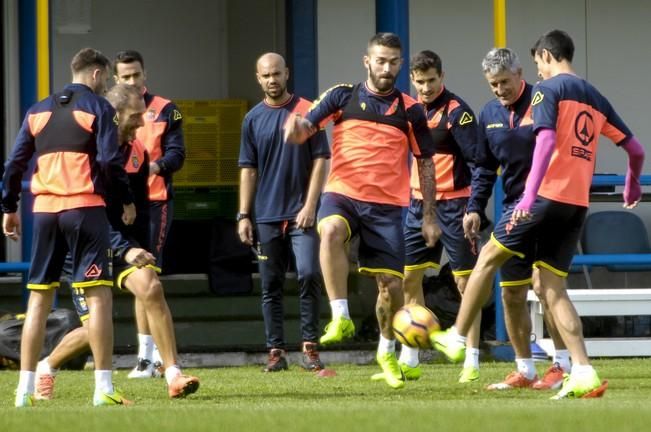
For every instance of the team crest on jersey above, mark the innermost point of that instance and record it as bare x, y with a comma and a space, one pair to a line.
176, 115
465, 118
134, 161
115, 119
363, 106
537, 98
150, 115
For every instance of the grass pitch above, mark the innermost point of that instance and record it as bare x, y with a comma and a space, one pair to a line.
245, 399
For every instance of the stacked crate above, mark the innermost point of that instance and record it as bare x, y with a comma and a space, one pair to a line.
206, 186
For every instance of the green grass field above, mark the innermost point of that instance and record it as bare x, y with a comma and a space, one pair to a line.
243, 398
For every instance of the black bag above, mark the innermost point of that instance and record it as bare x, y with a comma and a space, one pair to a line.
443, 298
59, 323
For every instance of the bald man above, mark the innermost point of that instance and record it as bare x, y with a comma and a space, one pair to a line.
280, 186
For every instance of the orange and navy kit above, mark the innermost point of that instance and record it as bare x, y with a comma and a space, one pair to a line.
368, 182
578, 114
74, 137
453, 128
162, 136
506, 141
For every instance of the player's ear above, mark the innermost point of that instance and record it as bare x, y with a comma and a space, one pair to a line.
366, 60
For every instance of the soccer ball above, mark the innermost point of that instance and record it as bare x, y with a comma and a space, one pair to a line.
412, 325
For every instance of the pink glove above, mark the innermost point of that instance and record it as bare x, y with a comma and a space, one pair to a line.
632, 189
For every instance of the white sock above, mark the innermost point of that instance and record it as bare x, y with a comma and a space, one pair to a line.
155, 355
103, 381
457, 337
43, 367
525, 367
582, 370
171, 373
145, 346
339, 308
472, 358
409, 356
26, 382
562, 357
386, 345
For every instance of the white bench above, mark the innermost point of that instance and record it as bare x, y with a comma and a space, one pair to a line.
600, 302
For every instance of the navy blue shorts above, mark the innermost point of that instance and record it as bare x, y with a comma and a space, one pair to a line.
516, 271
381, 246
82, 231
121, 269
449, 214
550, 236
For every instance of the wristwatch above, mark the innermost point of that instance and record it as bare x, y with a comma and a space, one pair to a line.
241, 216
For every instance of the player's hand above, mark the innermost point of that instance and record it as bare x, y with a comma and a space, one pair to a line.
431, 233
298, 129
305, 218
11, 226
154, 168
471, 224
139, 257
129, 213
632, 193
520, 215
245, 231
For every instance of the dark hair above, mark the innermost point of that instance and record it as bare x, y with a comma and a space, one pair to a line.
88, 58
426, 60
120, 95
389, 40
127, 56
557, 42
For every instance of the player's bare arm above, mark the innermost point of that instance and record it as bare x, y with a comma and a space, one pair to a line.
307, 216
431, 231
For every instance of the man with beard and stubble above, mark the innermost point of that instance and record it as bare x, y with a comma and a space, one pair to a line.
375, 127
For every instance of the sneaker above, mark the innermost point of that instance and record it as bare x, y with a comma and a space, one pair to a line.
447, 343
182, 385
337, 330
144, 369
24, 400
311, 360
513, 380
44, 387
391, 371
159, 370
552, 380
276, 361
410, 373
584, 387
468, 374
108, 399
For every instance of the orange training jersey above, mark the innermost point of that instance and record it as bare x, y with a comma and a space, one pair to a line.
372, 137
454, 132
579, 114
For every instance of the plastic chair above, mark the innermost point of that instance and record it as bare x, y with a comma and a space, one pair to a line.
616, 232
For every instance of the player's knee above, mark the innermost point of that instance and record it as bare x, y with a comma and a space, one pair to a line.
151, 292
332, 234
514, 296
